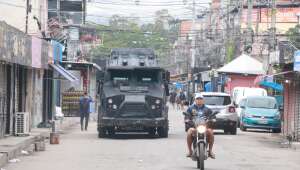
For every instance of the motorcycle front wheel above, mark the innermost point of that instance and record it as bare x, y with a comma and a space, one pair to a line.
201, 156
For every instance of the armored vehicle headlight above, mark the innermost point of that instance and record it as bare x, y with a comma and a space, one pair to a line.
153, 107
110, 101
115, 106
157, 101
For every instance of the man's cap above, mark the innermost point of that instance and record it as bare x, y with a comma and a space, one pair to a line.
198, 95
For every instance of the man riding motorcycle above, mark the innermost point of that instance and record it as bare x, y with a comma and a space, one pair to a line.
200, 110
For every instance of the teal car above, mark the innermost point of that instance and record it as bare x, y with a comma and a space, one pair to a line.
260, 112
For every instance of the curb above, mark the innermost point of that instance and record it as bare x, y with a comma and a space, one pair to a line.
33, 143
296, 145
8, 152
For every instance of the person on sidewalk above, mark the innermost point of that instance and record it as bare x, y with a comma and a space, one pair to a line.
173, 98
84, 103
182, 99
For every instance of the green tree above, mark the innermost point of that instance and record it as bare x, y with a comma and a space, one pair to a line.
125, 32
294, 35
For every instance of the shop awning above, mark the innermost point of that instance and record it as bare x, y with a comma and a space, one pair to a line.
80, 65
65, 73
275, 86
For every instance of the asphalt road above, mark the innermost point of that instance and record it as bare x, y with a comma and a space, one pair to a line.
84, 151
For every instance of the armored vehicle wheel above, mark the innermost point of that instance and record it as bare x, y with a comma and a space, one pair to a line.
111, 132
152, 132
101, 133
163, 132
233, 130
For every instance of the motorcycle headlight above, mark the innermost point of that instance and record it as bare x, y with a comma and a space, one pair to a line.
201, 129
115, 107
110, 101
157, 101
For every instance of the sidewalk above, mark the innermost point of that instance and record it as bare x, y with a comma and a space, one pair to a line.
12, 147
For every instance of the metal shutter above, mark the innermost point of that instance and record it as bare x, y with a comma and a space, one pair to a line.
297, 112
3, 116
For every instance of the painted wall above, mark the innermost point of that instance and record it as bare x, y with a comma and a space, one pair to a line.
291, 114
237, 80
37, 98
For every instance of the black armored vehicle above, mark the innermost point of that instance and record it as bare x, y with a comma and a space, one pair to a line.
133, 94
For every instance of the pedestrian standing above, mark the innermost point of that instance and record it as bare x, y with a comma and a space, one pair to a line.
173, 98
178, 102
182, 99
84, 103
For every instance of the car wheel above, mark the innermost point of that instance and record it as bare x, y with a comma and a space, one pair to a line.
276, 130
242, 127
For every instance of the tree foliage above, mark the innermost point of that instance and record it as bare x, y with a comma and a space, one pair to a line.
294, 35
123, 32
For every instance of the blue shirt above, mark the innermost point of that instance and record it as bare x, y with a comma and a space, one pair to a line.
197, 111
84, 102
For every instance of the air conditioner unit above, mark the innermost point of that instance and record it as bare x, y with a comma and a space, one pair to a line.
22, 124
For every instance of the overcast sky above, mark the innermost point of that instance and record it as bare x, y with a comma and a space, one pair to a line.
100, 10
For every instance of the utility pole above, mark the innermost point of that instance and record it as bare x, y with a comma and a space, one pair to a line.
248, 44
27, 12
272, 47
193, 47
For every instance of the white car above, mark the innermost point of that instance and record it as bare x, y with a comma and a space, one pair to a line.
227, 117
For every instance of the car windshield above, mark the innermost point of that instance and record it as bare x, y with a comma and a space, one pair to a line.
217, 100
262, 103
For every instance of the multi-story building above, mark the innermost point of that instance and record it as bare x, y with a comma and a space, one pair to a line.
29, 16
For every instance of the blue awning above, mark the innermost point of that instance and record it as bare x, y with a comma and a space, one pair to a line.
275, 86
64, 72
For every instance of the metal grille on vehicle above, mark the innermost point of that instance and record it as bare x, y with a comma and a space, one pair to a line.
133, 109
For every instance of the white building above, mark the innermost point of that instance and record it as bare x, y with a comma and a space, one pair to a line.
14, 13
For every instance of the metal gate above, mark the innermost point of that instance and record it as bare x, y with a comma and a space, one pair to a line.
297, 112
3, 116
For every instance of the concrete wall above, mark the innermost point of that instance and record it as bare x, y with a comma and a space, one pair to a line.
93, 89
37, 108
13, 12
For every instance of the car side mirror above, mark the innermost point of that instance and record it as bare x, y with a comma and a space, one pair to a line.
243, 107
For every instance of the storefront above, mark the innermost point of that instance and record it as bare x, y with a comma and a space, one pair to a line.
4, 122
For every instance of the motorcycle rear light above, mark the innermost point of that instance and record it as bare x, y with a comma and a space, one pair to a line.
231, 109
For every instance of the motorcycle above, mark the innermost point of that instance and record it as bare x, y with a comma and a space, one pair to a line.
200, 146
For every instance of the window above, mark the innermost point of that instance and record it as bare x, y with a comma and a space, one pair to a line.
217, 100
147, 76
262, 103
120, 75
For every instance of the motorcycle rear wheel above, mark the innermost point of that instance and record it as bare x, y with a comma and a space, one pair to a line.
201, 156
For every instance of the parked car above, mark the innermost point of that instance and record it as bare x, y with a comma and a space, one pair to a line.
260, 112
240, 93
227, 117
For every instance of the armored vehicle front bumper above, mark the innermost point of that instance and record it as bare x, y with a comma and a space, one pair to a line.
132, 123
